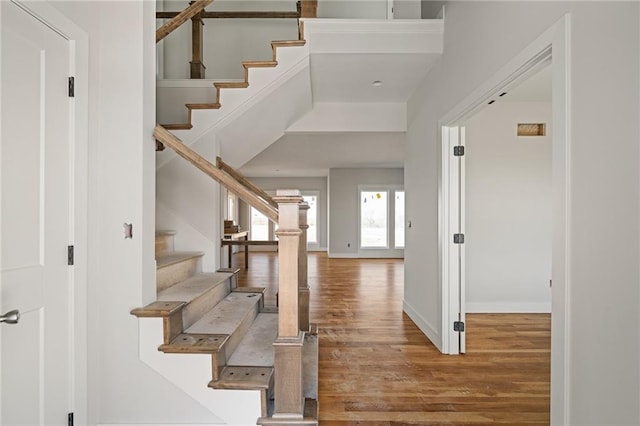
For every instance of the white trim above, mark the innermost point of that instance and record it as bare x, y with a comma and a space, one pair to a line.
424, 326
508, 307
158, 424
556, 39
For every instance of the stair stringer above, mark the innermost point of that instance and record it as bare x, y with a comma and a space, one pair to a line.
191, 373
235, 102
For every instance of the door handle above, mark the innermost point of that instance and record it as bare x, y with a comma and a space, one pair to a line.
11, 317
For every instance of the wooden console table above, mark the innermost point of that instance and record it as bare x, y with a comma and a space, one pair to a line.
242, 239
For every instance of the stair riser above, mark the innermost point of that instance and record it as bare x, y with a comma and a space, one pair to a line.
204, 303
171, 274
164, 244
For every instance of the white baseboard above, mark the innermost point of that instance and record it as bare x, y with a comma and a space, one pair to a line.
432, 334
364, 256
508, 308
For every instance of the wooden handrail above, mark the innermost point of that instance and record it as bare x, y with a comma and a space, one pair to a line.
244, 181
169, 139
236, 15
182, 17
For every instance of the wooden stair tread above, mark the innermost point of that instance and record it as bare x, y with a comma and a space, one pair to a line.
259, 64
247, 378
176, 257
261, 290
157, 309
232, 85
162, 233
195, 343
215, 105
288, 43
256, 348
193, 287
227, 315
178, 126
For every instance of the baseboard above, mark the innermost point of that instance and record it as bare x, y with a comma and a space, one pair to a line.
432, 334
508, 308
363, 256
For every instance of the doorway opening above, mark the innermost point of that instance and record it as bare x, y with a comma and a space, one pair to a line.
550, 47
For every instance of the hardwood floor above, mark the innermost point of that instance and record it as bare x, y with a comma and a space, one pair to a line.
377, 368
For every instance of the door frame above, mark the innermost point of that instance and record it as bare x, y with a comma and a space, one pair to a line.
78, 195
553, 45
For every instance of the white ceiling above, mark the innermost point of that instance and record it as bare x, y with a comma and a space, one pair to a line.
308, 155
350, 77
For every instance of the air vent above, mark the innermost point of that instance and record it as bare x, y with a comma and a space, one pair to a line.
532, 129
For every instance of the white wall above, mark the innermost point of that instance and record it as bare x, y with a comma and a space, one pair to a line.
508, 210
303, 184
601, 365
188, 202
368, 9
344, 209
121, 187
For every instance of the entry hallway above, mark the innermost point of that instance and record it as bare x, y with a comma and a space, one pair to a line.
377, 368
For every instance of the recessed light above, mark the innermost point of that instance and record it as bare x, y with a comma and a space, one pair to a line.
377, 83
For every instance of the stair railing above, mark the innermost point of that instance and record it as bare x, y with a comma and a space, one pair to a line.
169, 139
244, 181
197, 14
181, 17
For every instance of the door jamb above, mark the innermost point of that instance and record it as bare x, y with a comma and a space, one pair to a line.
553, 42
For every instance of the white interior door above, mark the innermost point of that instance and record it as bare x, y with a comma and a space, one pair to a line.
35, 353
453, 232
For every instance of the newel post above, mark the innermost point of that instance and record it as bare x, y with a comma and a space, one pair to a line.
303, 287
289, 399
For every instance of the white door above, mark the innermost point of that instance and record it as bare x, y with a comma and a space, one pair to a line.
35, 356
453, 229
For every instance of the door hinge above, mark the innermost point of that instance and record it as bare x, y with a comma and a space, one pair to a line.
458, 151
458, 238
70, 257
458, 326
72, 87
70, 419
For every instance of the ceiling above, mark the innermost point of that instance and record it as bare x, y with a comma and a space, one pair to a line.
344, 72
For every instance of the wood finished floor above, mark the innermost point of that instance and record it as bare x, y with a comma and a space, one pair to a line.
377, 368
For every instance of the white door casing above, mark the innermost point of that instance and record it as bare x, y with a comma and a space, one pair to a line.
39, 356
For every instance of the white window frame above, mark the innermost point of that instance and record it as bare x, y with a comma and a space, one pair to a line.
316, 194
390, 190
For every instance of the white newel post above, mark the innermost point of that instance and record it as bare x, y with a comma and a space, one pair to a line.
289, 399
303, 287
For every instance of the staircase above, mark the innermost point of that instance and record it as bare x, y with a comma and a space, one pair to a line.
244, 361
207, 313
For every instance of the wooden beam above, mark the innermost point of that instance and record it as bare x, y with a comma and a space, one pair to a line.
220, 176
309, 8
244, 181
182, 17
236, 15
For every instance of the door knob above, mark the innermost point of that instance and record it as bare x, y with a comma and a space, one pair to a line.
11, 317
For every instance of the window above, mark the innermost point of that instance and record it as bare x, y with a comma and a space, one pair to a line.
259, 226
312, 218
399, 219
373, 219
231, 206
